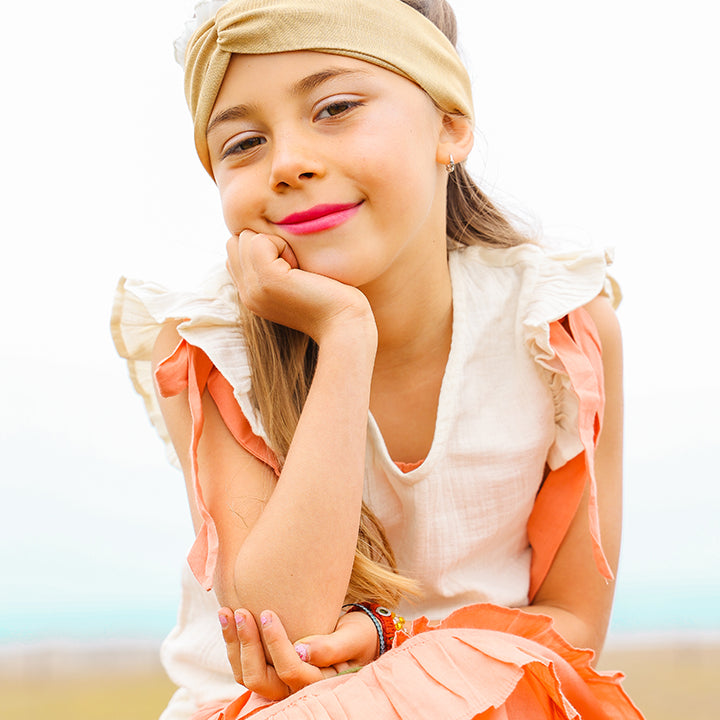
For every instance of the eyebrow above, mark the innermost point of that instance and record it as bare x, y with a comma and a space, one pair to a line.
237, 112
316, 79
301, 87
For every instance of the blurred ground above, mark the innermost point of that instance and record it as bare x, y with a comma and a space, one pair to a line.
670, 682
123, 697
667, 682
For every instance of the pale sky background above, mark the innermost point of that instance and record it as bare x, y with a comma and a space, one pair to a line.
599, 121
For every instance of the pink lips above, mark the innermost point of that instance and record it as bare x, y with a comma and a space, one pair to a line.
318, 218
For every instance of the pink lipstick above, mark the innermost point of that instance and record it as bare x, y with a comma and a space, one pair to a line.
318, 218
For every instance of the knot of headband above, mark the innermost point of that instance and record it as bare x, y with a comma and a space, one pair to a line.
387, 33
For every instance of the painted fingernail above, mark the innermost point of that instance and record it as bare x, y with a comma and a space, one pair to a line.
265, 619
303, 651
239, 619
223, 620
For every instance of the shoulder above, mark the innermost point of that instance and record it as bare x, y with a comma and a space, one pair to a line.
575, 272
495, 275
609, 335
213, 327
167, 340
606, 322
173, 407
475, 256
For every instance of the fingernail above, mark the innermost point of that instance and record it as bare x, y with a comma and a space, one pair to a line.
303, 651
223, 620
265, 619
239, 619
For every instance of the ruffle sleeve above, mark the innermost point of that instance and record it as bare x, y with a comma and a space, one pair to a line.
563, 283
564, 342
141, 309
204, 359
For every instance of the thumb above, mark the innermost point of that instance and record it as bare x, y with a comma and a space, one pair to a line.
288, 256
352, 642
322, 650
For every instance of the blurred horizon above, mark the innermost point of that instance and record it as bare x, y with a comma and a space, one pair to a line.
84, 595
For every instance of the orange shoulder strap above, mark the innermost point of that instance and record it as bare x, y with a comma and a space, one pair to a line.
557, 502
189, 367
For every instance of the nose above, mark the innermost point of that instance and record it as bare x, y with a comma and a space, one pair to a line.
295, 160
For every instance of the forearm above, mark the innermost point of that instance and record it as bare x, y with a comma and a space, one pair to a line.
298, 557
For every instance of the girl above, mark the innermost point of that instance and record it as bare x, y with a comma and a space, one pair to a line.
389, 398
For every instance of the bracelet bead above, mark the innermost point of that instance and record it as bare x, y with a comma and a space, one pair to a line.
386, 622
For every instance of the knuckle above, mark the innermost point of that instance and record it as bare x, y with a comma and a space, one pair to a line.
253, 681
292, 677
263, 284
254, 304
323, 645
230, 635
248, 650
321, 652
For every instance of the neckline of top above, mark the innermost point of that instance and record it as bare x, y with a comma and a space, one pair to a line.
448, 391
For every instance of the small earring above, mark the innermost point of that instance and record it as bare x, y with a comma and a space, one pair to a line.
450, 167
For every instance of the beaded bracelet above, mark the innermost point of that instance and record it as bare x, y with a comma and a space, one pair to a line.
386, 622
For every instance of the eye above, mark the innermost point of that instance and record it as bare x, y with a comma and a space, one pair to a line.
243, 146
336, 108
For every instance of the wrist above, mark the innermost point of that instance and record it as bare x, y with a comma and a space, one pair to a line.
348, 332
387, 623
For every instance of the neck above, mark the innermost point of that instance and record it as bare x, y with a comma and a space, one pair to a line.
413, 311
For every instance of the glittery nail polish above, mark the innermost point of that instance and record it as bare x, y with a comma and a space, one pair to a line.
303, 651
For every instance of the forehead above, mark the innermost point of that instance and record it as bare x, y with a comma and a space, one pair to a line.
251, 78
287, 67
265, 93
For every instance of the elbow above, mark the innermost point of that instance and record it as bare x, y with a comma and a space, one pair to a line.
580, 632
300, 609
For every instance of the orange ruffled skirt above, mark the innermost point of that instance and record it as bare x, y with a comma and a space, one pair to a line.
483, 661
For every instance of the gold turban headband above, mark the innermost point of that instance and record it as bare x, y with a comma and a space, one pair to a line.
387, 33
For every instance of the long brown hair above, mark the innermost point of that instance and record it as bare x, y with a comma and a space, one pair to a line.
283, 360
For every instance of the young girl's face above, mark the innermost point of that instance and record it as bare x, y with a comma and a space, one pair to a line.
342, 159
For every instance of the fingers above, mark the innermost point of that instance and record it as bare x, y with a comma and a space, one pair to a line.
232, 642
354, 642
290, 669
263, 248
287, 673
258, 251
259, 265
288, 255
257, 675
271, 285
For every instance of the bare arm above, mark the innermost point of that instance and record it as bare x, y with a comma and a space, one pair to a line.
574, 593
289, 545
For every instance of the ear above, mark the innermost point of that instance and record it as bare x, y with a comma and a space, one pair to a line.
456, 139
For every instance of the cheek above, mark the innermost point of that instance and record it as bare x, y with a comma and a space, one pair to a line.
408, 148
229, 210
386, 162
236, 202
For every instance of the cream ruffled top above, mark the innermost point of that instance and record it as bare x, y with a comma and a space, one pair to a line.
508, 406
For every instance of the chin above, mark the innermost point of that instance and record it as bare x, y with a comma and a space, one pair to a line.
341, 268
342, 275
